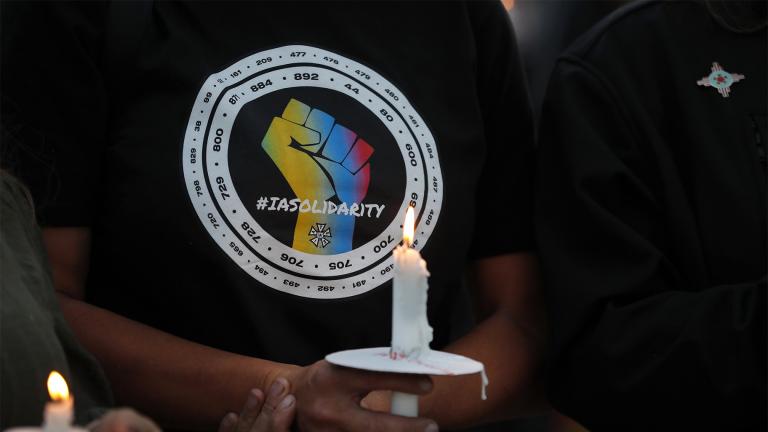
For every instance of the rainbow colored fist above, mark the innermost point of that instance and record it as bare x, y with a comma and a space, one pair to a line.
326, 165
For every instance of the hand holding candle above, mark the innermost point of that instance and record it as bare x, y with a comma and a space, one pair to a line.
409, 352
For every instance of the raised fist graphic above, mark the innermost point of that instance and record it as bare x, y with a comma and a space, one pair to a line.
322, 161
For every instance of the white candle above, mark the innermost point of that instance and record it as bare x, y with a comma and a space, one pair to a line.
59, 412
411, 333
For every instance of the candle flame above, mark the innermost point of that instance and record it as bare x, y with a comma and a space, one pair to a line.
408, 227
57, 387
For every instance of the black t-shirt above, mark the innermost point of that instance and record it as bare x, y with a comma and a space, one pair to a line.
651, 223
245, 167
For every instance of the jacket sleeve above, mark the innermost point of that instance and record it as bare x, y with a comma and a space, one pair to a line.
635, 345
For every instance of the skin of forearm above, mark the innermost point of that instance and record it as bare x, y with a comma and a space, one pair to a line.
512, 359
178, 383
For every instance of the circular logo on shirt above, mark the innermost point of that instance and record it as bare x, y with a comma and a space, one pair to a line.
300, 163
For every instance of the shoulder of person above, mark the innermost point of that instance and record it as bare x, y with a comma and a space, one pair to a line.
485, 12
640, 29
14, 195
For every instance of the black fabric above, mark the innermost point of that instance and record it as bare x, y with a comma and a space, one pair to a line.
50, 77
545, 29
127, 22
34, 337
651, 224
741, 16
120, 141
505, 187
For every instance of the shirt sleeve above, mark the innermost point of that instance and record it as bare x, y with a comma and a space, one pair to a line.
504, 194
635, 345
54, 109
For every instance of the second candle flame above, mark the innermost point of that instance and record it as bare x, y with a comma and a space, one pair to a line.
57, 387
408, 227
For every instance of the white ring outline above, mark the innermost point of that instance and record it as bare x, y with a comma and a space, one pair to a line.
255, 67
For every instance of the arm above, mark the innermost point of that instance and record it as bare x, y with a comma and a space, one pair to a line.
638, 341
509, 342
173, 380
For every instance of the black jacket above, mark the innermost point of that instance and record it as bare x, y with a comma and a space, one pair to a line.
652, 224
